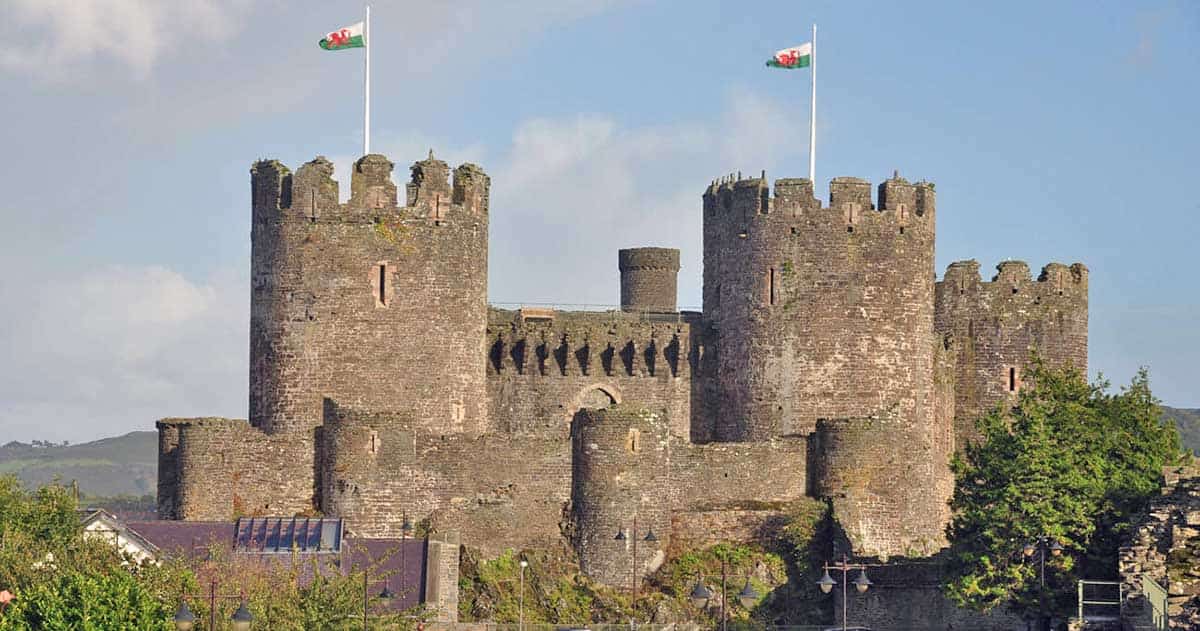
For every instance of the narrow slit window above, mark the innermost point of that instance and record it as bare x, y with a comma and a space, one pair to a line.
383, 284
1012, 378
773, 287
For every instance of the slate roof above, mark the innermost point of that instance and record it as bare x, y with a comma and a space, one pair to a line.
399, 564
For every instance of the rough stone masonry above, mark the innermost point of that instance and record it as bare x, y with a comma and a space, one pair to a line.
827, 361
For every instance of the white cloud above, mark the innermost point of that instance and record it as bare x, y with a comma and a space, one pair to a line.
114, 349
570, 192
54, 34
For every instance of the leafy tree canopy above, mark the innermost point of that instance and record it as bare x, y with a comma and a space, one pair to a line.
1069, 461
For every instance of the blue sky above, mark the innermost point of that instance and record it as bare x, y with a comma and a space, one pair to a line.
1054, 132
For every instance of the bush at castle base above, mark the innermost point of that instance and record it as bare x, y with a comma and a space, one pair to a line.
61, 582
556, 592
1070, 461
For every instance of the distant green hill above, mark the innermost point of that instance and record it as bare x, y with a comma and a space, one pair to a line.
119, 466
1188, 422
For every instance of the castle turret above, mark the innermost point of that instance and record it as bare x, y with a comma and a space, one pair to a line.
621, 478
997, 325
367, 302
649, 279
818, 311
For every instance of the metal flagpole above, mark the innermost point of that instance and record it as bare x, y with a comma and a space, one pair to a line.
812, 120
367, 83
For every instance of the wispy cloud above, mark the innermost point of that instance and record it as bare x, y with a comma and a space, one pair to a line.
58, 35
113, 349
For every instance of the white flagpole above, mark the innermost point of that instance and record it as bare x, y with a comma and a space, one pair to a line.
812, 120
367, 83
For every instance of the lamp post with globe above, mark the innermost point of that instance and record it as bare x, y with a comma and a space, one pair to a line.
861, 582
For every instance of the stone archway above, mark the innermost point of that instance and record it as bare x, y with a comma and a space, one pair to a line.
595, 396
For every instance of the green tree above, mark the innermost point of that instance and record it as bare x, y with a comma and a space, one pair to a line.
1069, 461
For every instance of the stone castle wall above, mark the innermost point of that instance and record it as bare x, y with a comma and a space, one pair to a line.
383, 386
997, 324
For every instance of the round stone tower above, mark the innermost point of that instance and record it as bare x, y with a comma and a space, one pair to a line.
818, 311
619, 485
649, 279
369, 303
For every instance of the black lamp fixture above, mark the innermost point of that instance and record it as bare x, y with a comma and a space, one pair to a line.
184, 619
700, 594
620, 535
242, 618
386, 597
826, 582
862, 583
650, 536
748, 596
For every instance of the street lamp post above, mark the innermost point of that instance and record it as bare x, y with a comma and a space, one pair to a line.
633, 535
861, 582
1042, 547
185, 620
385, 597
521, 600
701, 594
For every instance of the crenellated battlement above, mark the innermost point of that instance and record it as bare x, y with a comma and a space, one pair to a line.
900, 202
311, 194
595, 344
1013, 279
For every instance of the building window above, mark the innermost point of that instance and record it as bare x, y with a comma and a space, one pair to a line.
633, 443
381, 284
1014, 379
374, 445
772, 287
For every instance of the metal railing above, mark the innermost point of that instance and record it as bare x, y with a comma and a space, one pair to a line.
1112, 609
1156, 595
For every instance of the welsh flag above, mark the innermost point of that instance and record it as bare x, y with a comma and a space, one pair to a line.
792, 58
345, 37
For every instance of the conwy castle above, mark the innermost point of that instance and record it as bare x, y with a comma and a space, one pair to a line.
828, 361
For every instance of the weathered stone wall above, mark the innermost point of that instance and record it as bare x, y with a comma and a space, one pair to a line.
622, 483
908, 595
997, 324
627, 465
818, 312
541, 370
225, 468
368, 302
1164, 545
498, 491
649, 279
889, 481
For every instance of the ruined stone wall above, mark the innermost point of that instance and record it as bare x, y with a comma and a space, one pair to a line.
996, 325
1164, 545
817, 311
649, 279
541, 370
370, 303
